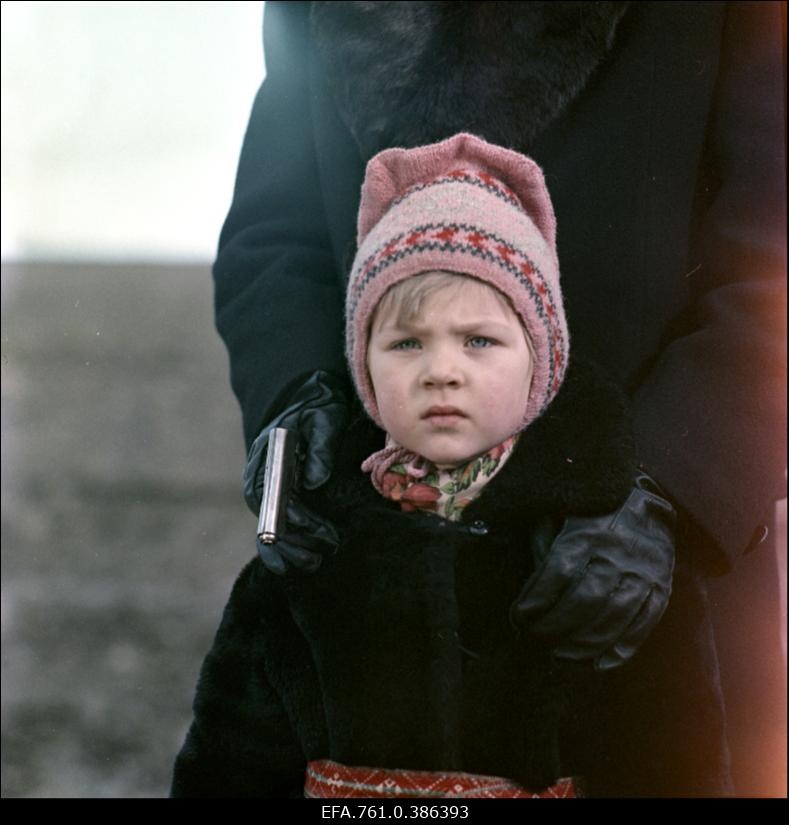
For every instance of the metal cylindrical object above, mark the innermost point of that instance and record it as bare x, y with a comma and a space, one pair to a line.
280, 466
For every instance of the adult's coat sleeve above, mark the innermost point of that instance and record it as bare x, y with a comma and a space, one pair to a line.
277, 297
727, 375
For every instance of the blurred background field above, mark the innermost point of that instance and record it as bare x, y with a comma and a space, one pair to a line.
123, 525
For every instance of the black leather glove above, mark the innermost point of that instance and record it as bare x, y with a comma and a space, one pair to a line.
602, 584
318, 412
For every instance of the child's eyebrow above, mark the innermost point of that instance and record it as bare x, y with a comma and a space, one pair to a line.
474, 325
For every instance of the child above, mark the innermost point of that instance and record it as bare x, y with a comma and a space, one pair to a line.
395, 670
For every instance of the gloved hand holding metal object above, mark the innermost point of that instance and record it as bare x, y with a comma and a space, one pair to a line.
315, 418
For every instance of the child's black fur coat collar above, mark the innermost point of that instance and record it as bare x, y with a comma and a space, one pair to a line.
577, 458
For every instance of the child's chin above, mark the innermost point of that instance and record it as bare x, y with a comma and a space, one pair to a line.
445, 461
448, 454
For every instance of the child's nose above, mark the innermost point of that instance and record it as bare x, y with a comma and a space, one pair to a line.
441, 369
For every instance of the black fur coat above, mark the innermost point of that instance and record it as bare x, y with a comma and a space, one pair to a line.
399, 652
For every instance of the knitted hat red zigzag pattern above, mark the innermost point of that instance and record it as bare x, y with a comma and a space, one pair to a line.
465, 206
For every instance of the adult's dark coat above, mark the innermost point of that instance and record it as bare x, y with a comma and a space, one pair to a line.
660, 131
400, 653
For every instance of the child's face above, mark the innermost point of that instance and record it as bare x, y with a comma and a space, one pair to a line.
454, 382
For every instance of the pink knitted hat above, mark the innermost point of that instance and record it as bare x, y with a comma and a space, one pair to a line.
467, 206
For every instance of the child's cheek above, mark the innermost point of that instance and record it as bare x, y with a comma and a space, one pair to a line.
393, 402
505, 403
387, 394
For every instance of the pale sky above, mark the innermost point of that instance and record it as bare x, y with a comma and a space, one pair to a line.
121, 125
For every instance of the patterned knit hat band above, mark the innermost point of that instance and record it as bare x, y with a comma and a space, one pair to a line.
462, 219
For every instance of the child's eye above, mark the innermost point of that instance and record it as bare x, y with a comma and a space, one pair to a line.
406, 344
480, 341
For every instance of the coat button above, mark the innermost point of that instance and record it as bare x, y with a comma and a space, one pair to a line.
478, 528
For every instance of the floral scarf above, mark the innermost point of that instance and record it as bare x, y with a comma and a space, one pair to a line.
418, 484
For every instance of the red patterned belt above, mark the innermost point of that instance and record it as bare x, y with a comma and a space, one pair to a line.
331, 780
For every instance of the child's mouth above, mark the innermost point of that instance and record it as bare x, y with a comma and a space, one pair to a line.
444, 416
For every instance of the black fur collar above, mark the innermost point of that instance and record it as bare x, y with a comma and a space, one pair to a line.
407, 74
578, 458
